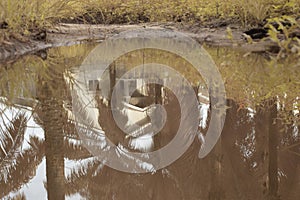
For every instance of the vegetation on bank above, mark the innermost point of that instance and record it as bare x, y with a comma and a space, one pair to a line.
25, 15
278, 19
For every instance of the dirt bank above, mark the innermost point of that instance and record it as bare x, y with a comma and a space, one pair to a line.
70, 34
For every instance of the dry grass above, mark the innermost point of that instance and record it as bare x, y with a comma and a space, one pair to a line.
25, 15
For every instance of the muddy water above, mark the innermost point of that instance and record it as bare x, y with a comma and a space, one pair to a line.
42, 154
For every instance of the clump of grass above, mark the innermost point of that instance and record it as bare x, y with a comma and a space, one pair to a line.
252, 12
258, 11
24, 15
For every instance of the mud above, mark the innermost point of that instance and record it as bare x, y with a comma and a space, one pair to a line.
70, 34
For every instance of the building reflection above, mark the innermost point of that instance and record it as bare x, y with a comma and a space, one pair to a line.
257, 156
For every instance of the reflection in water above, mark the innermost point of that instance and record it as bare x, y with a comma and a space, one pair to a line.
257, 156
51, 115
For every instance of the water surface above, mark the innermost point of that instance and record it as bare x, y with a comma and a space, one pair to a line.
42, 155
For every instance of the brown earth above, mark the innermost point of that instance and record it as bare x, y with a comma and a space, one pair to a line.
215, 34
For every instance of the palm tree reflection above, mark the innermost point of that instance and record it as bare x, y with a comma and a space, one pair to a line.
254, 159
13, 174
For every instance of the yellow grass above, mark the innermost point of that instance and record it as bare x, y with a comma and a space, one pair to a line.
23, 15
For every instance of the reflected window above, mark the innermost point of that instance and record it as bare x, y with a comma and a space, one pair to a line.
93, 85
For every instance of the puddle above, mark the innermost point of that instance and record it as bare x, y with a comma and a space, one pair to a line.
43, 151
